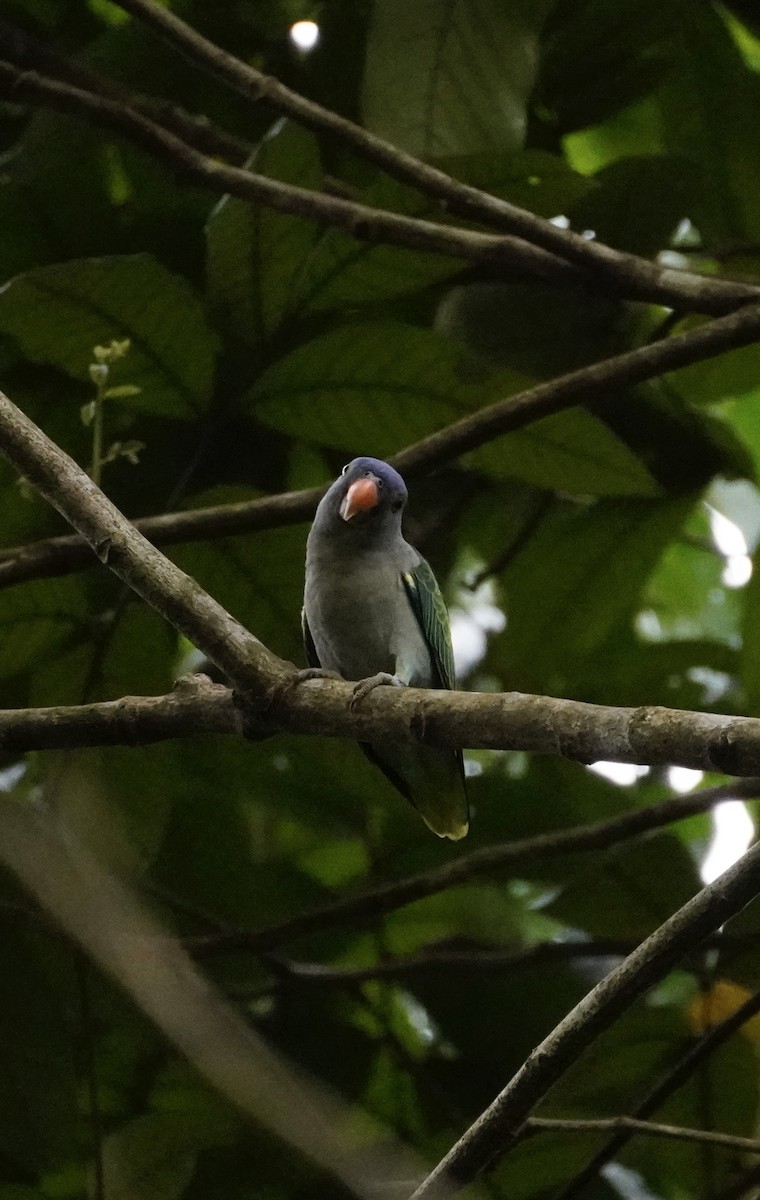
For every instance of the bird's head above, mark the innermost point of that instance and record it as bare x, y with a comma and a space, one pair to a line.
368, 493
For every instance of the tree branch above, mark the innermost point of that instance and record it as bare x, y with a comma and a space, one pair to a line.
32, 55
196, 706
369, 906
678, 1133
483, 960
444, 959
497, 1127
635, 276
623, 275
59, 556
572, 729
357, 220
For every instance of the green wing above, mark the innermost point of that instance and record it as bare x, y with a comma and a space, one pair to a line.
430, 610
308, 642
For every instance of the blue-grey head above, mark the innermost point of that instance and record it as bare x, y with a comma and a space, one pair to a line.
368, 495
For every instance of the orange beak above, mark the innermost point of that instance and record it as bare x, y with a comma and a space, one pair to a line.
361, 496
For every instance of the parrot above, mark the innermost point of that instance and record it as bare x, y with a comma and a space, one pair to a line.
373, 614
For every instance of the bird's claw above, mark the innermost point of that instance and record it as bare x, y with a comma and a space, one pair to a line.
365, 686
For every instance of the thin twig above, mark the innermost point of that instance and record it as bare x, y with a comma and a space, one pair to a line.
502, 959
631, 1125
670, 1082
483, 960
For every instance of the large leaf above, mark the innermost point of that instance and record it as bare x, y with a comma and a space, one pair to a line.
58, 313
579, 576
450, 78
380, 387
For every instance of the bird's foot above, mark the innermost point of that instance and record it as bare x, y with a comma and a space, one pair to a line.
365, 686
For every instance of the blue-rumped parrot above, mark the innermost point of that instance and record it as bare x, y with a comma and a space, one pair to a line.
373, 613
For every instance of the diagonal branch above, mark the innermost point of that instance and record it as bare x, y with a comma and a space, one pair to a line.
623, 274
358, 220
670, 1082
634, 276
116, 542
61, 555
498, 1126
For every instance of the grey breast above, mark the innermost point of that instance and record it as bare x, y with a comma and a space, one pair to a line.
360, 617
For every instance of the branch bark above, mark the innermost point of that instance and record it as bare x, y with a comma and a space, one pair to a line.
497, 1127
59, 556
476, 720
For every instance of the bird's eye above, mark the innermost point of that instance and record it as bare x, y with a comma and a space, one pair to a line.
345, 468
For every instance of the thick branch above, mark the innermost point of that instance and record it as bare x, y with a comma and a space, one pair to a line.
478, 720
59, 556
636, 277
498, 1125
196, 706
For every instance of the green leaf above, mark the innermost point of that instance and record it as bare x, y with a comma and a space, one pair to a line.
373, 385
58, 313
625, 892
571, 452
383, 387
638, 202
579, 576
255, 257
259, 579
599, 57
154, 1156
38, 620
447, 78
263, 266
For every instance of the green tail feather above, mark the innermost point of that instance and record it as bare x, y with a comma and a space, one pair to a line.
431, 779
